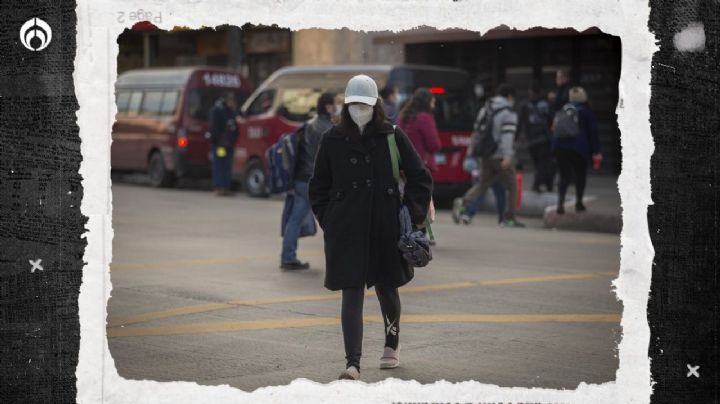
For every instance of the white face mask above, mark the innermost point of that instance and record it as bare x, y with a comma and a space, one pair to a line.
361, 114
338, 109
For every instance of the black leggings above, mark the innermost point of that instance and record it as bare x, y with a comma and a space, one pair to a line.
571, 164
352, 320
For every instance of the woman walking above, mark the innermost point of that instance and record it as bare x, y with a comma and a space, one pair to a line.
574, 151
356, 200
417, 120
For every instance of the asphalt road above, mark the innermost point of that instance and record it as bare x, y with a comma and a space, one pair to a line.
198, 296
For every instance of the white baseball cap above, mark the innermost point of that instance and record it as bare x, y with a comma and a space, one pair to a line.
361, 88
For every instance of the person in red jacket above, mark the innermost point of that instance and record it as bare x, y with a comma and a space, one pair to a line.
417, 120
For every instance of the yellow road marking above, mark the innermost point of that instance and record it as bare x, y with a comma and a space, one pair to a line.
179, 311
228, 326
203, 308
598, 240
537, 279
200, 262
289, 299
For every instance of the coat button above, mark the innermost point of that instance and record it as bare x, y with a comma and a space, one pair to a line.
369, 183
354, 184
353, 160
390, 191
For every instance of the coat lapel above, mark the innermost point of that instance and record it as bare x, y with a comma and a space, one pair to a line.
370, 139
375, 137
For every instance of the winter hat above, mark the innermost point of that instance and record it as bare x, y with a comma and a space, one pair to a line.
577, 94
361, 88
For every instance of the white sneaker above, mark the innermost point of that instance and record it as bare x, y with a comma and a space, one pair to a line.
351, 373
457, 210
390, 358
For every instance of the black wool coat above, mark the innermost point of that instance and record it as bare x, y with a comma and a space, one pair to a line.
356, 200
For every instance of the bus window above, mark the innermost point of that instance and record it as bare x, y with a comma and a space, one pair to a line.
262, 103
134, 104
169, 103
122, 101
455, 111
455, 105
298, 104
298, 93
201, 100
151, 102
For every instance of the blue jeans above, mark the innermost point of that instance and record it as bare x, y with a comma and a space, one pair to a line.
222, 168
300, 209
500, 201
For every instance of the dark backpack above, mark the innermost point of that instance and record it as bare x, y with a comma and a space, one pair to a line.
537, 121
282, 159
566, 123
484, 144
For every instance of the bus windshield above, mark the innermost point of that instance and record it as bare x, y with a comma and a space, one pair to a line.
296, 95
455, 104
201, 100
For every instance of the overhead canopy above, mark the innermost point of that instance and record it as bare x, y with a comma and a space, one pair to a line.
429, 34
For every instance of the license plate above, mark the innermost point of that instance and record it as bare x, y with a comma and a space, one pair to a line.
440, 159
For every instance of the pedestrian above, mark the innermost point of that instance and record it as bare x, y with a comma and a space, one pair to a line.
562, 81
223, 135
574, 153
327, 105
389, 96
417, 120
472, 165
499, 113
534, 127
356, 200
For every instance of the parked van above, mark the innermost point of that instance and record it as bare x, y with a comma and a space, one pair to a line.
288, 97
162, 120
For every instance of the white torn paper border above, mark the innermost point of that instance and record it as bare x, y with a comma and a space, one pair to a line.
95, 73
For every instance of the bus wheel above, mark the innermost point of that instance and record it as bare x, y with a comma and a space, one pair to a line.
159, 176
254, 180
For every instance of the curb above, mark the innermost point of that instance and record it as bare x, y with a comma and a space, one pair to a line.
585, 221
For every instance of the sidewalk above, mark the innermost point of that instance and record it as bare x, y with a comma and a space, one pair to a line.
602, 200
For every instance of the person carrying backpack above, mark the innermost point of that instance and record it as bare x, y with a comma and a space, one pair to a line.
492, 142
534, 126
308, 144
575, 143
357, 201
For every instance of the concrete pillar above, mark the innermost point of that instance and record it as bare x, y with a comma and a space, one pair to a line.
146, 50
235, 50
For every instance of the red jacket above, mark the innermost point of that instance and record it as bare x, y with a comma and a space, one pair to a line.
423, 134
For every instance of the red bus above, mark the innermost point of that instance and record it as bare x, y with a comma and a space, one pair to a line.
162, 120
288, 97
